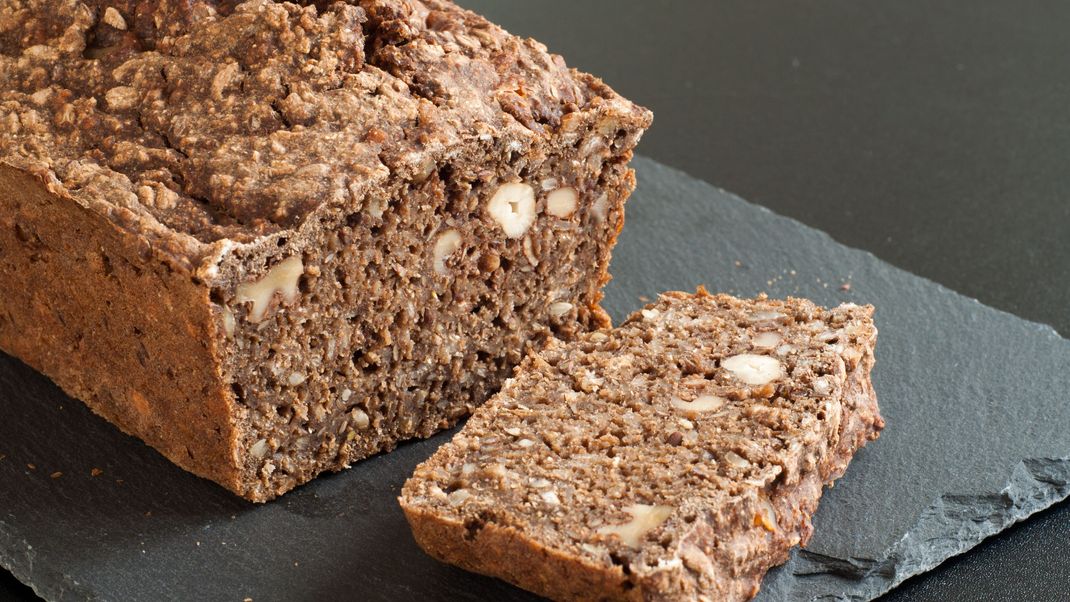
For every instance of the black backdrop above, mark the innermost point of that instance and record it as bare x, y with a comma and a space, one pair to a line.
935, 134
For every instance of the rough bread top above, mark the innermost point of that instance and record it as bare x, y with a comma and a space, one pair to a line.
216, 119
608, 448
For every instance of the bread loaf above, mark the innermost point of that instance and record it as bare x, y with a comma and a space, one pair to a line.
677, 457
271, 239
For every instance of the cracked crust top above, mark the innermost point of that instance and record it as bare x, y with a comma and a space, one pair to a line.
198, 121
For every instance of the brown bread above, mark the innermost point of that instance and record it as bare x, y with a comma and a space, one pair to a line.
271, 239
677, 457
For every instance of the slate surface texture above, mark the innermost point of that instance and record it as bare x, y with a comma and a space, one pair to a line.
977, 403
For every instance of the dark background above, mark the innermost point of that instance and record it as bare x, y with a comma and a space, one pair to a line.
934, 134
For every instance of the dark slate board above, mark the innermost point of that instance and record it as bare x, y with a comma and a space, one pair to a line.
977, 403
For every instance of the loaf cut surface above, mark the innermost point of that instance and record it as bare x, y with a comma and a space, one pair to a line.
677, 457
273, 238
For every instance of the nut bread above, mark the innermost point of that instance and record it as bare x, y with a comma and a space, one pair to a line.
273, 238
677, 457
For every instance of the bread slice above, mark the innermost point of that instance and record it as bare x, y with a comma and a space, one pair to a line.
677, 457
273, 238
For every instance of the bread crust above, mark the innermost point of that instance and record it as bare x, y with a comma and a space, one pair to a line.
503, 552
114, 323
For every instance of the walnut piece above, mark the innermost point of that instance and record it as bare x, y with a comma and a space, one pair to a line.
701, 405
513, 208
360, 418
260, 449
644, 520
113, 18
765, 340
283, 278
562, 202
753, 369
560, 308
447, 242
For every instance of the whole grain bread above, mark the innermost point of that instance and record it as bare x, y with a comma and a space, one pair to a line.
677, 457
273, 238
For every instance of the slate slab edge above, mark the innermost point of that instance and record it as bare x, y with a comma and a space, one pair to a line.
952, 525
49, 584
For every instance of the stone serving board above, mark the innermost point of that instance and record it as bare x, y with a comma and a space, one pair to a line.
977, 403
